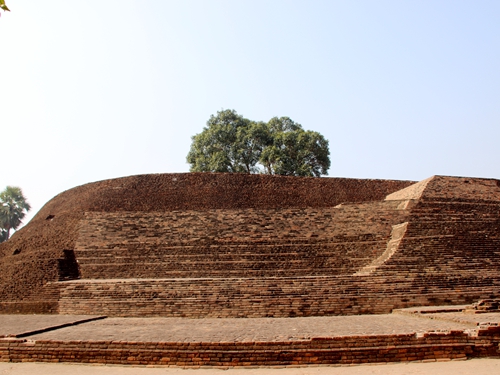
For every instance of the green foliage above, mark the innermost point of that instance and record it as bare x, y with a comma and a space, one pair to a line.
13, 208
220, 147
3, 6
3, 235
231, 143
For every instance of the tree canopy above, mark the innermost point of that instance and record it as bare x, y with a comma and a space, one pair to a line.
3, 6
13, 208
231, 143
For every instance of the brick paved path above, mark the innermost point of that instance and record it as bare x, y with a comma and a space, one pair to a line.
16, 325
223, 330
177, 330
240, 330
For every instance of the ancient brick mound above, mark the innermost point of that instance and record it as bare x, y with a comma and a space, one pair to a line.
229, 245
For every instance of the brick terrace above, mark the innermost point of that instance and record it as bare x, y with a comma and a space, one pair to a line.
41, 251
240, 252
244, 342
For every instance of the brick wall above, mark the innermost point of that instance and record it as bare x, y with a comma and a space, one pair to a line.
229, 243
266, 297
339, 350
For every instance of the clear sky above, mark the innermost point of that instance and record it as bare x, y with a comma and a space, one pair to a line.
103, 89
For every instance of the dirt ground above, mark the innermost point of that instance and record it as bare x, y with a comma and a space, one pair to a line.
484, 366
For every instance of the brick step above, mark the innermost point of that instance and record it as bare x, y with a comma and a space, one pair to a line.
151, 270
258, 297
230, 225
478, 234
467, 209
459, 264
458, 247
311, 239
436, 229
213, 261
248, 249
431, 253
362, 253
214, 240
451, 262
345, 350
426, 222
143, 293
452, 216
222, 262
442, 274
338, 257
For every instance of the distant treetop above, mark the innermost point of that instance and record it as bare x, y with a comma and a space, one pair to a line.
231, 143
13, 208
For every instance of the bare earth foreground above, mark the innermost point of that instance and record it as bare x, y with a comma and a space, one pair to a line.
483, 366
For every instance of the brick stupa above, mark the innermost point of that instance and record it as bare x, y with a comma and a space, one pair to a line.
232, 245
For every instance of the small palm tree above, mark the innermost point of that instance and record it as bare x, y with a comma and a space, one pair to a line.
13, 208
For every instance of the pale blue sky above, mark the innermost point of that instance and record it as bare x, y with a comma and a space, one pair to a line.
97, 90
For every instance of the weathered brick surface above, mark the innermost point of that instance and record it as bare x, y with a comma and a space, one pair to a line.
263, 297
233, 245
336, 350
34, 255
453, 234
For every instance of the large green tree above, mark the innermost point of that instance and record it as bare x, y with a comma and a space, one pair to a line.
231, 143
13, 208
222, 145
293, 151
